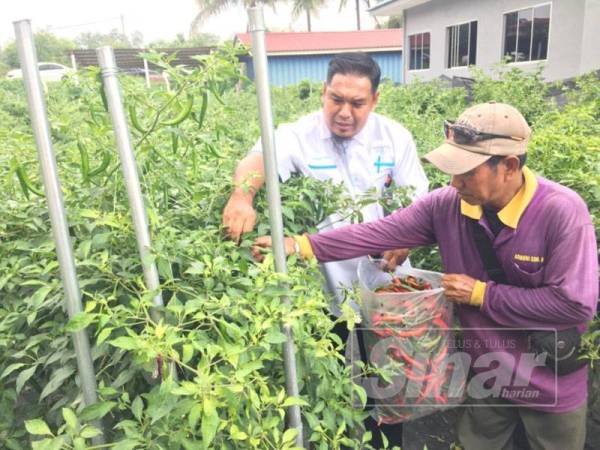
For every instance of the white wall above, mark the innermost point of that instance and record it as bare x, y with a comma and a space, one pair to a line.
590, 44
565, 42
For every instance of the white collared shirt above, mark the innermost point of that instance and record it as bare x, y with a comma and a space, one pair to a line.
383, 149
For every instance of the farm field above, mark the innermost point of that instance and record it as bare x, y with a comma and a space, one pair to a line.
220, 331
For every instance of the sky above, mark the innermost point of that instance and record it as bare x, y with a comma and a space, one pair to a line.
159, 19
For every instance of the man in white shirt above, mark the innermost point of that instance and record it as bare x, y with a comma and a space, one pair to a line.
348, 143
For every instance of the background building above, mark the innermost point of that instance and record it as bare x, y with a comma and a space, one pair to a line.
444, 37
294, 57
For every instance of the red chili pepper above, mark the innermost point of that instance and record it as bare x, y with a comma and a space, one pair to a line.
413, 332
410, 360
392, 318
440, 323
426, 391
440, 357
384, 332
395, 353
375, 317
441, 399
411, 376
392, 419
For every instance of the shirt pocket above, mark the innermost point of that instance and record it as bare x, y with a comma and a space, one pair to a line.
529, 275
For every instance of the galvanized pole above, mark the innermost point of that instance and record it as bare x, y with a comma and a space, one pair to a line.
259, 58
106, 59
73, 61
146, 73
60, 228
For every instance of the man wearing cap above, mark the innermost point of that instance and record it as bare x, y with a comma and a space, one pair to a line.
542, 237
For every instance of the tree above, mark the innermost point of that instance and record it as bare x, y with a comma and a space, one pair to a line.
114, 38
198, 40
392, 22
210, 8
357, 7
343, 4
308, 7
49, 48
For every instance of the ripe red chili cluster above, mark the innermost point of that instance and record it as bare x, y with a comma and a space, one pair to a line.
416, 330
405, 284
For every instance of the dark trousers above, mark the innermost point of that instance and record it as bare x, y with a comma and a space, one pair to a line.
490, 424
393, 432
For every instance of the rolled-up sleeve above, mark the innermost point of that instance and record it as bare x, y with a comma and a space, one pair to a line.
288, 149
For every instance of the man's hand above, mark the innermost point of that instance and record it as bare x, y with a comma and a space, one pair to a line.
264, 242
393, 258
458, 287
239, 216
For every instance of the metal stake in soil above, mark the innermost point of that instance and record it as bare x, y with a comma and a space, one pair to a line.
259, 57
106, 59
60, 228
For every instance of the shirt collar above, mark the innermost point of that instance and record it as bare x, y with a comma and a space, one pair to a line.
512, 212
360, 138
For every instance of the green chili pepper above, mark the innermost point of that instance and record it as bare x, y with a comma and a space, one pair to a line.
26, 185
174, 142
183, 114
213, 88
106, 158
199, 118
102, 93
211, 149
428, 345
85, 161
134, 119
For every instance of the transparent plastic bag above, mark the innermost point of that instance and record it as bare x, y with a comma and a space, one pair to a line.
407, 337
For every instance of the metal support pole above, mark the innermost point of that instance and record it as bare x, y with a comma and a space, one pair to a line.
146, 73
60, 228
106, 59
259, 58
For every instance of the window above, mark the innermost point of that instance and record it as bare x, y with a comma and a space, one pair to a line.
526, 34
462, 44
418, 45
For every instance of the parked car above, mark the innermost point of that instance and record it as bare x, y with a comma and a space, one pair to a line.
49, 71
154, 75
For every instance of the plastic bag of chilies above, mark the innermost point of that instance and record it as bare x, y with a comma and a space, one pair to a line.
406, 337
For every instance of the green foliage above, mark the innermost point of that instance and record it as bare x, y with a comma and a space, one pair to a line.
392, 22
305, 88
220, 330
526, 91
114, 39
49, 47
221, 327
422, 109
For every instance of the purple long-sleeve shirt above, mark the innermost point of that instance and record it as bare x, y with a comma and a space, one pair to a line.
549, 257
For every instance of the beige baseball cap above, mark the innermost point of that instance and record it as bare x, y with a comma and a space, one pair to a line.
498, 119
